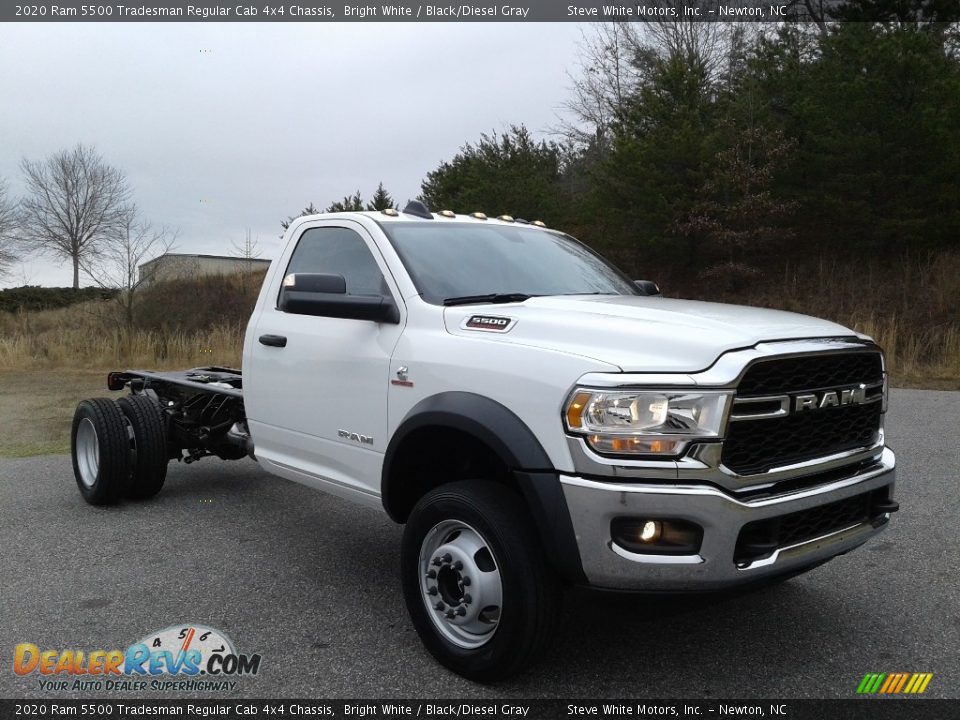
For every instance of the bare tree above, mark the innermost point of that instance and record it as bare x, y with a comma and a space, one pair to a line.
700, 44
249, 250
605, 78
8, 226
120, 255
74, 202
815, 11
619, 59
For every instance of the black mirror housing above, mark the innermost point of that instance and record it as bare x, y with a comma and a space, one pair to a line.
352, 307
647, 287
325, 295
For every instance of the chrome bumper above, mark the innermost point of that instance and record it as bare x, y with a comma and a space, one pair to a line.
594, 504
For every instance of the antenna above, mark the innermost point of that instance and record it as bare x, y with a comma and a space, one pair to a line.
415, 207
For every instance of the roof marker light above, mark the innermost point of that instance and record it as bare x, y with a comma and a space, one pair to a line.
390, 212
478, 216
539, 223
505, 218
447, 213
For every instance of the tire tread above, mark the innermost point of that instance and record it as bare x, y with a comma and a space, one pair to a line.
114, 450
150, 469
504, 511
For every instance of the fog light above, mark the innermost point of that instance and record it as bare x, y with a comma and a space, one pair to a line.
662, 536
650, 531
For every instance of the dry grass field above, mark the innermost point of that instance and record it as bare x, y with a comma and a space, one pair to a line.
51, 359
36, 408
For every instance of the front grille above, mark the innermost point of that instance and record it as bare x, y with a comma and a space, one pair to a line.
762, 537
756, 446
799, 374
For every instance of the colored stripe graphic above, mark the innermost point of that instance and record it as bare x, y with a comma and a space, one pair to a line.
891, 680
894, 683
921, 685
900, 683
870, 683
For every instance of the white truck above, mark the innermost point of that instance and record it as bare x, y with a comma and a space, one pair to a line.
530, 415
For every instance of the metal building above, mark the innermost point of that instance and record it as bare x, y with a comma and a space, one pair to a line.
172, 266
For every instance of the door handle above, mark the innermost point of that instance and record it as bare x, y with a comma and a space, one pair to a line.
273, 340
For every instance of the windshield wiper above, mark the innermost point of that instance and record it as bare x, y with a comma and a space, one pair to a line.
491, 298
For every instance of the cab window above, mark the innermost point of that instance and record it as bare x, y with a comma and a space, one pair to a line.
339, 251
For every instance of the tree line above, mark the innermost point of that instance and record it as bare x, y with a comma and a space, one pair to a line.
715, 150
719, 150
380, 200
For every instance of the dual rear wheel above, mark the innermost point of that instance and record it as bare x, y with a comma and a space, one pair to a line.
119, 448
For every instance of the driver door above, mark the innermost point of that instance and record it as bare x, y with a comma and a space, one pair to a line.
317, 406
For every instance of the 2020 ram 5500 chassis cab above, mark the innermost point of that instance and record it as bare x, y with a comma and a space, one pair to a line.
531, 416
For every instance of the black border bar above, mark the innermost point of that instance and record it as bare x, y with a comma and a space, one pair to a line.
406, 11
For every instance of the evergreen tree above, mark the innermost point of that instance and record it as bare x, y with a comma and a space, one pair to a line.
381, 200
502, 174
308, 210
350, 203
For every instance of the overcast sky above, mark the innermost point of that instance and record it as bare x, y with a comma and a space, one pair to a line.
222, 127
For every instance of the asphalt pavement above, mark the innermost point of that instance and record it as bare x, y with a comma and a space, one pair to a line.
310, 582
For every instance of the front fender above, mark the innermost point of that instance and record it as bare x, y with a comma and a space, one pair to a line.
509, 438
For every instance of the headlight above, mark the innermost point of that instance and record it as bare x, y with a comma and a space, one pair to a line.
658, 422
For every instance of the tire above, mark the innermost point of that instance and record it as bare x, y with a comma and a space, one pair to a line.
100, 447
484, 527
149, 464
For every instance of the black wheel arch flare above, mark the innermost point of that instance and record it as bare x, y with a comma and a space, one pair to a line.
516, 446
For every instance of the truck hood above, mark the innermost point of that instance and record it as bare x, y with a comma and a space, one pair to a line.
638, 334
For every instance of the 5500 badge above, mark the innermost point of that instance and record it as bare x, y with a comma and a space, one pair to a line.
188, 650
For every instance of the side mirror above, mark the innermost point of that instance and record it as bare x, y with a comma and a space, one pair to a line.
647, 287
325, 295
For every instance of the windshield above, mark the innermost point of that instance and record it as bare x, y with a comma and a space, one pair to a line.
448, 260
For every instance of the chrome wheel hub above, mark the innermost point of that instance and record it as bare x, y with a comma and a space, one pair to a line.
88, 452
460, 583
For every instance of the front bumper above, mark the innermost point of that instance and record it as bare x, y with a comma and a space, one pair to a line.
593, 505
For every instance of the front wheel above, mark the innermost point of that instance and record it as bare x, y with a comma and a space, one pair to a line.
476, 582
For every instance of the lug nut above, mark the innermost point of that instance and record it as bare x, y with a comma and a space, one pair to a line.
466, 598
450, 615
437, 561
465, 581
439, 606
458, 565
461, 611
431, 591
431, 574
447, 557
